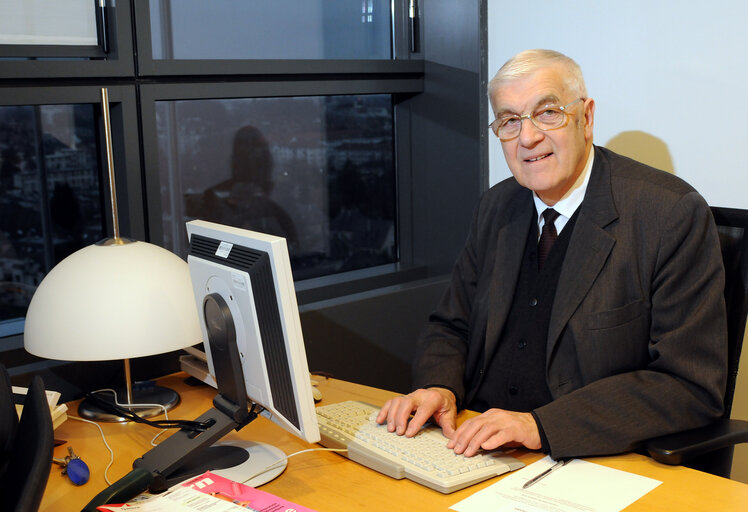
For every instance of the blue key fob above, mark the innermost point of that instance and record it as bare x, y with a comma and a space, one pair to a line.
77, 471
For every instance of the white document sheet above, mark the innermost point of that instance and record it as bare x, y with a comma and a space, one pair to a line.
577, 486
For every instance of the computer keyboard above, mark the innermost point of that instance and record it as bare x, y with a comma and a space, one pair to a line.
424, 458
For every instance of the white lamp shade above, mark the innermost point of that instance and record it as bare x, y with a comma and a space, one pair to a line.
108, 302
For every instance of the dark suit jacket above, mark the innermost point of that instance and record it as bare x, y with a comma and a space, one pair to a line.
637, 338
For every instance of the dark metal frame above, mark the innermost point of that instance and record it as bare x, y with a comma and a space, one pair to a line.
133, 91
113, 57
403, 61
327, 286
97, 51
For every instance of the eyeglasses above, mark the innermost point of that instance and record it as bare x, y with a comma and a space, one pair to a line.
547, 117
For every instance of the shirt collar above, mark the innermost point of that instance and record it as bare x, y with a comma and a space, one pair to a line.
573, 197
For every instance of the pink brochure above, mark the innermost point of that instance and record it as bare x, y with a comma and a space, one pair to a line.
240, 494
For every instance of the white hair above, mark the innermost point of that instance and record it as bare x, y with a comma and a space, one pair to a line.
529, 61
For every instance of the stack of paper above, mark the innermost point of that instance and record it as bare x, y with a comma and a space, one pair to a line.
58, 411
578, 486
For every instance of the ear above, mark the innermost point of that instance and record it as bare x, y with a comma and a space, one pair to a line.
589, 117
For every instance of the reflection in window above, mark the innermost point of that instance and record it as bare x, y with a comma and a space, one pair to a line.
50, 199
317, 170
281, 29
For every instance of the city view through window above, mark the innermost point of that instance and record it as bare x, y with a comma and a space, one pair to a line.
50, 195
317, 170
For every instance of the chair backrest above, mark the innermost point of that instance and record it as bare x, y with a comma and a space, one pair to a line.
27, 471
8, 418
732, 225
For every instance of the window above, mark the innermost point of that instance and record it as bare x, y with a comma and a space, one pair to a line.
281, 29
317, 170
50, 195
83, 40
53, 184
317, 86
400, 135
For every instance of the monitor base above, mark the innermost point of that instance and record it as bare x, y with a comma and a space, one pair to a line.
236, 460
261, 455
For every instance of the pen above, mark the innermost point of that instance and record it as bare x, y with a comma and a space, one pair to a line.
545, 473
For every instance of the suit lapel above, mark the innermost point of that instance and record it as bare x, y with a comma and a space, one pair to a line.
510, 246
588, 249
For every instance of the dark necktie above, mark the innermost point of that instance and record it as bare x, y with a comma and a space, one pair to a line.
547, 236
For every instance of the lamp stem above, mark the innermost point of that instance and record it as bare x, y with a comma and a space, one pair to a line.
128, 381
110, 159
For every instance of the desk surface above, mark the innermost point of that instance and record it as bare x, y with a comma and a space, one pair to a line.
328, 482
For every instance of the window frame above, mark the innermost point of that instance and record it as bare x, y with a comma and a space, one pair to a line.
324, 287
69, 62
136, 81
402, 61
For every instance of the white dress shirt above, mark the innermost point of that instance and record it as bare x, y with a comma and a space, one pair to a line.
568, 204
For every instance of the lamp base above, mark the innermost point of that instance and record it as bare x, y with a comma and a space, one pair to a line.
140, 395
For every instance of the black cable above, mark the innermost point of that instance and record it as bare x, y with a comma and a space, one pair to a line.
113, 408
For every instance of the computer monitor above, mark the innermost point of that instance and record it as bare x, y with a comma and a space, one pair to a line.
243, 283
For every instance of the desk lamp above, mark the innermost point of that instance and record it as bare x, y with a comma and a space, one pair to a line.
116, 299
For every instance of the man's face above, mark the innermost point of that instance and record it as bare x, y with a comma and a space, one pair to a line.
547, 162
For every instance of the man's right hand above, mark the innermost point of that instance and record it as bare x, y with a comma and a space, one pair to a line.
439, 403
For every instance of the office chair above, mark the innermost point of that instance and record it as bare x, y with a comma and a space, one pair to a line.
8, 419
28, 460
711, 448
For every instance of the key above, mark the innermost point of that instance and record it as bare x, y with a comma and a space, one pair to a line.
74, 467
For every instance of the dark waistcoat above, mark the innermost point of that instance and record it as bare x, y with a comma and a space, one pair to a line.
515, 377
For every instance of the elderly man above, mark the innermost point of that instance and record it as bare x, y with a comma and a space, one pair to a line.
585, 313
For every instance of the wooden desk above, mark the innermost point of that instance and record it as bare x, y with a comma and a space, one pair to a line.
328, 482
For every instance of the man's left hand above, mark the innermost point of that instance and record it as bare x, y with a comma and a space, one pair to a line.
495, 428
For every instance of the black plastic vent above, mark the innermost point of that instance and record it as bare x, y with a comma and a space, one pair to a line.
257, 264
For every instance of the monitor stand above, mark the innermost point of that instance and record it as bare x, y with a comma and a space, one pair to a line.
246, 462
257, 457
184, 455
184, 452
